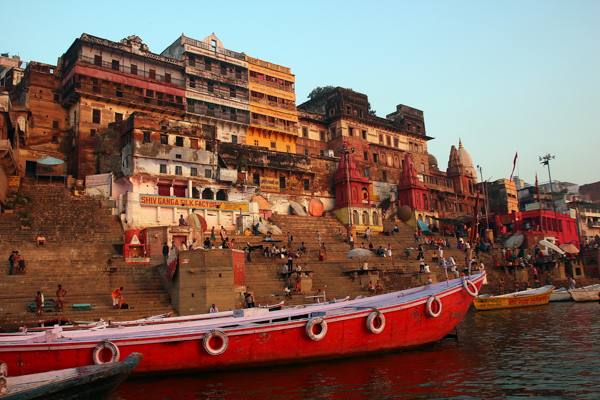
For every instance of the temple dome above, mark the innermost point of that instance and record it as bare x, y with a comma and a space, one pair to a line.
433, 164
466, 160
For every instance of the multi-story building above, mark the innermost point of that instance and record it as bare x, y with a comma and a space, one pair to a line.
501, 196
216, 83
273, 116
105, 81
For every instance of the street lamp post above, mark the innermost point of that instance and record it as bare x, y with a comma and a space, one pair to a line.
346, 152
545, 160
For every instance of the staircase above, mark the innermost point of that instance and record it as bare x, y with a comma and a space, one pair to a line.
82, 253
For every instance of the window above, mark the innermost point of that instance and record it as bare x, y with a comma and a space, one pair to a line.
56, 97
194, 144
115, 65
350, 131
304, 131
232, 92
273, 145
193, 171
133, 69
210, 86
146, 137
54, 139
364, 135
178, 170
164, 139
307, 184
96, 116
118, 117
191, 60
234, 139
256, 142
98, 60
389, 140
192, 82
92, 132
149, 93
163, 168
179, 141
178, 156
380, 139
256, 179
281, 182
322, 152
55, 124
348, 110
384, 175
367, 173
396, 142
305, 152
375, 157
213, 44
366, 155
167, 77
152, 74
361, 114
422, 167
322, 135
208, 173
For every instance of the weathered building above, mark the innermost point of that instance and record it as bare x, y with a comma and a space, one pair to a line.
501, 197
273, 116
216, 84
105, 81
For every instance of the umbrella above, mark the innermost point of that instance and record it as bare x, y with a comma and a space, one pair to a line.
569, 248
297, 209
359, 255
275, 230
551, 246
198, 221
49, 161
514, 241
315, 208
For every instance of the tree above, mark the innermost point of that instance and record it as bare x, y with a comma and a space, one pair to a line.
319, 92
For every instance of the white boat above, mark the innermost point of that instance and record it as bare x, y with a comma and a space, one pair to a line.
586, 293
561, 294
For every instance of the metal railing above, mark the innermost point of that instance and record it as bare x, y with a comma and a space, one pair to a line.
215, 91
219, 50
138, 72
267, 124
273, 85
99, 90
215, 71
291, 107
203, 110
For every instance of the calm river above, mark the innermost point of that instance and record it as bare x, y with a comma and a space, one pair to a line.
552, 352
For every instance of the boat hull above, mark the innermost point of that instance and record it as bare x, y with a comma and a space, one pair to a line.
86, 383
407, 325
587, 293
496, 303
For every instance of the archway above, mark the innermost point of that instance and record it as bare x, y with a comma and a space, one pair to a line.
355, 217
222, 195
365, 218
375, 218
207, 194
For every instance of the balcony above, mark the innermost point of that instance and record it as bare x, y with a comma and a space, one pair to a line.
273, 85
137, 72
290, 107
202, 110
271, 125
212, 91
116, 96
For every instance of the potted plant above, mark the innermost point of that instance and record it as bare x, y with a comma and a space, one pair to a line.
9, 208
25, 224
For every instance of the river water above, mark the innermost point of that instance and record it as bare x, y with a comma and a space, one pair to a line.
551, 352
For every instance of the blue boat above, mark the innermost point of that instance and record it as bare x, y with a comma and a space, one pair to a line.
90, 382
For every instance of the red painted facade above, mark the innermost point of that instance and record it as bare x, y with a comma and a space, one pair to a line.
536, 225
360, 187
410, 189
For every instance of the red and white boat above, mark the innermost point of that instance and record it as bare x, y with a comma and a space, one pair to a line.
254, 337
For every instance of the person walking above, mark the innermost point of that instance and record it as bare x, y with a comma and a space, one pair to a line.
319, 238
351, 242
60, 295
12, 262
212, 234
165, 252
322, 253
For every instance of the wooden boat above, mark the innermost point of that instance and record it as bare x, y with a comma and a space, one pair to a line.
526, 298
561, 294
586, 293
256, 337
154, 320
90, 382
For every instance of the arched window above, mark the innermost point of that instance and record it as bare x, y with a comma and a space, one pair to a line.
425, 202
207, 194
221, 195
365, 218
375, 218
355, 217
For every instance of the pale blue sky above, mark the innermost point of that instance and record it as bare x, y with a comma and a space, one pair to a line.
504, 76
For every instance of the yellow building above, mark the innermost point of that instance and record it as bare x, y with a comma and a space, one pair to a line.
273, 116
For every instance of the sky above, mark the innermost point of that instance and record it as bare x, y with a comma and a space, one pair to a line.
504, 77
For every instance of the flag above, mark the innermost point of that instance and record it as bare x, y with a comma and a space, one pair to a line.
514, 164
